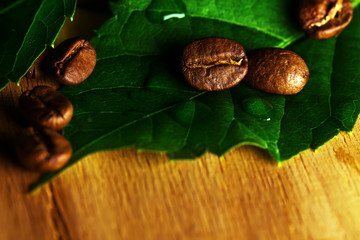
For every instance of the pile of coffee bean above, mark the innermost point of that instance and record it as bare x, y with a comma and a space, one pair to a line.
214, 64
40, 146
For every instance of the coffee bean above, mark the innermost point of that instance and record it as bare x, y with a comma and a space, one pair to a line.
276, 70
323, 19
72, 61
42, 149
214, 63
45, 107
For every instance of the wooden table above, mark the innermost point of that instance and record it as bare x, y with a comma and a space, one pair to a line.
129, 195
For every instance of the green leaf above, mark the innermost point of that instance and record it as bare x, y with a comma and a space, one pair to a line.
345, 87
137, 97
27, 26
334, 69
309, 108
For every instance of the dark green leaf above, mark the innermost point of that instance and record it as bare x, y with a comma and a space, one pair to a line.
345, 86
137, 97
26, 27
309, 108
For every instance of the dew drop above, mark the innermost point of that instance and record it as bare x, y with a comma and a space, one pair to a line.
174, 9
258, 107
173, 15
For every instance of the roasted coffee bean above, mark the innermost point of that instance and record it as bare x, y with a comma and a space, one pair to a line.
42, 149
276, 70
323, 19
214, 63
72, 61
44, 107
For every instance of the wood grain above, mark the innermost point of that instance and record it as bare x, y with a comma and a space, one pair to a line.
130, 195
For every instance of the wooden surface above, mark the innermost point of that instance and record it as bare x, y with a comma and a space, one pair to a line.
129, 195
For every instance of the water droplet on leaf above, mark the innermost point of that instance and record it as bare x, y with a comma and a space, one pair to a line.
175, 9
258, 107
